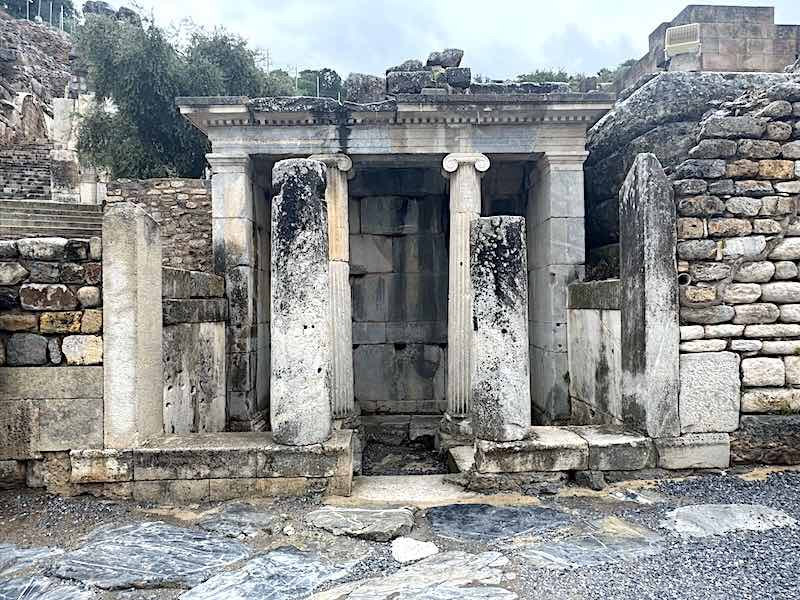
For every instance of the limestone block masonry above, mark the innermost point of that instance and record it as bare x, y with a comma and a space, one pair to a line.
501, 405
300, 407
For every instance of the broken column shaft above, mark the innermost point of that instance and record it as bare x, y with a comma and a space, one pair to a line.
501, 399
300, 407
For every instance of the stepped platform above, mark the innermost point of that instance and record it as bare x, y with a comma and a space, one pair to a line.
28, 218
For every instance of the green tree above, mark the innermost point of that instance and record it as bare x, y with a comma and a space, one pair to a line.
544, 75
329, 81
279, 83
140, 71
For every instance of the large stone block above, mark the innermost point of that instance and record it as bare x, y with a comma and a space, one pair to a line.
66, 424
374, 372
41, 383
96, 466
132, 329
613, 449
709, 392
370, 295
370, 254
398, 215
194, 377
767, 439
18, 430
300, 408
650, 369
382, 182
42, 248
83, 349
694, 451
549, 385
544, 449
420, 253
501, 404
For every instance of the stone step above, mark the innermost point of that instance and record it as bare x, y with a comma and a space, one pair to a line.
13, 232
460, 459
64, 221
199, 467
49, 206
601, 448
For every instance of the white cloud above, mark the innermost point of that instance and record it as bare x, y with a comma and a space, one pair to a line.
500, 38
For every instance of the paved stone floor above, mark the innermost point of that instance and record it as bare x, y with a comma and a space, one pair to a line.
711, 537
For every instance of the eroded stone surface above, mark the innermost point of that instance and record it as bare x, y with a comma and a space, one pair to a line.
145, 555
485, 522
43, 588
704, 520
406, 549
283, 574
442, 577
241, 520
14, 559
378, 525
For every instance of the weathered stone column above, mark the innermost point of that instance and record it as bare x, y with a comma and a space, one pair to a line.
649, 300
501, 394
300, 406
465, 205
131, 326
235, 258
336, 195
556, 257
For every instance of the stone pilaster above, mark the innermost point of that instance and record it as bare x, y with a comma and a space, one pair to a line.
336, 195
233, 233
556, 257
300, 397
465, 205
501, 398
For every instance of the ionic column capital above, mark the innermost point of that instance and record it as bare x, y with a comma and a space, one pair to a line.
453, 161
338, 161
229, 163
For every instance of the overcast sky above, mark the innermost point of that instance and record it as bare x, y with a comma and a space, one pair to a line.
501, 38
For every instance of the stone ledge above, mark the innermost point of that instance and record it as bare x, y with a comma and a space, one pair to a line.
694, 451
34, 383
547, 449
613, 449
182, 284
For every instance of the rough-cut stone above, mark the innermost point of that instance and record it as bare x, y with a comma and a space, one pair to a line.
770, 331
54, 351
709, 271
744, 246
544, 449
756, 313
740, 205
709, 392
689, 187
713, 148
18, 322
780, 347
703, 346
787, 249
650, 330
776, 169
701, 294
60, 322
484, 522
767, 439
727, 227
449, 57
24, 349
501, 407
783, 292
83, 349
778, 131
723, 331
697, 250
612, 449
243, 521
379, 525
92, 321
701, 168
107, 466
44, 272
89, 296
300, 410
8, 249
692, 332
763, 372
704, 520
408, 82
146, 555
691, 228
407, 550
772, 400
758, 149
741, 168
750, 187
362, 88
12, 273
733, 127
777, 205
708, 315
701, 206
39, 296
694, 451
746, 345
42, 248
741, 293
785, 269
755, 272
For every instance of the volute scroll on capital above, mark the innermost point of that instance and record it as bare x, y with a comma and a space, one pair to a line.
342, 162
452, 161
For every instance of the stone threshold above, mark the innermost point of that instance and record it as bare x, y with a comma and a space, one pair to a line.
548, 449
217, 466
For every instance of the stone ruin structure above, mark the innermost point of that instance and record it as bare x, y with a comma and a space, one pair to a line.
546, 284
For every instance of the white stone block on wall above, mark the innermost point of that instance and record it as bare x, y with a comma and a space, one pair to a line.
709, 392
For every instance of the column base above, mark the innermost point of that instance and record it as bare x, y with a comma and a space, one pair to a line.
454, 431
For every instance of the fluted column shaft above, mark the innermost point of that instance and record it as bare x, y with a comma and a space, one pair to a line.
465, 205
336, 195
